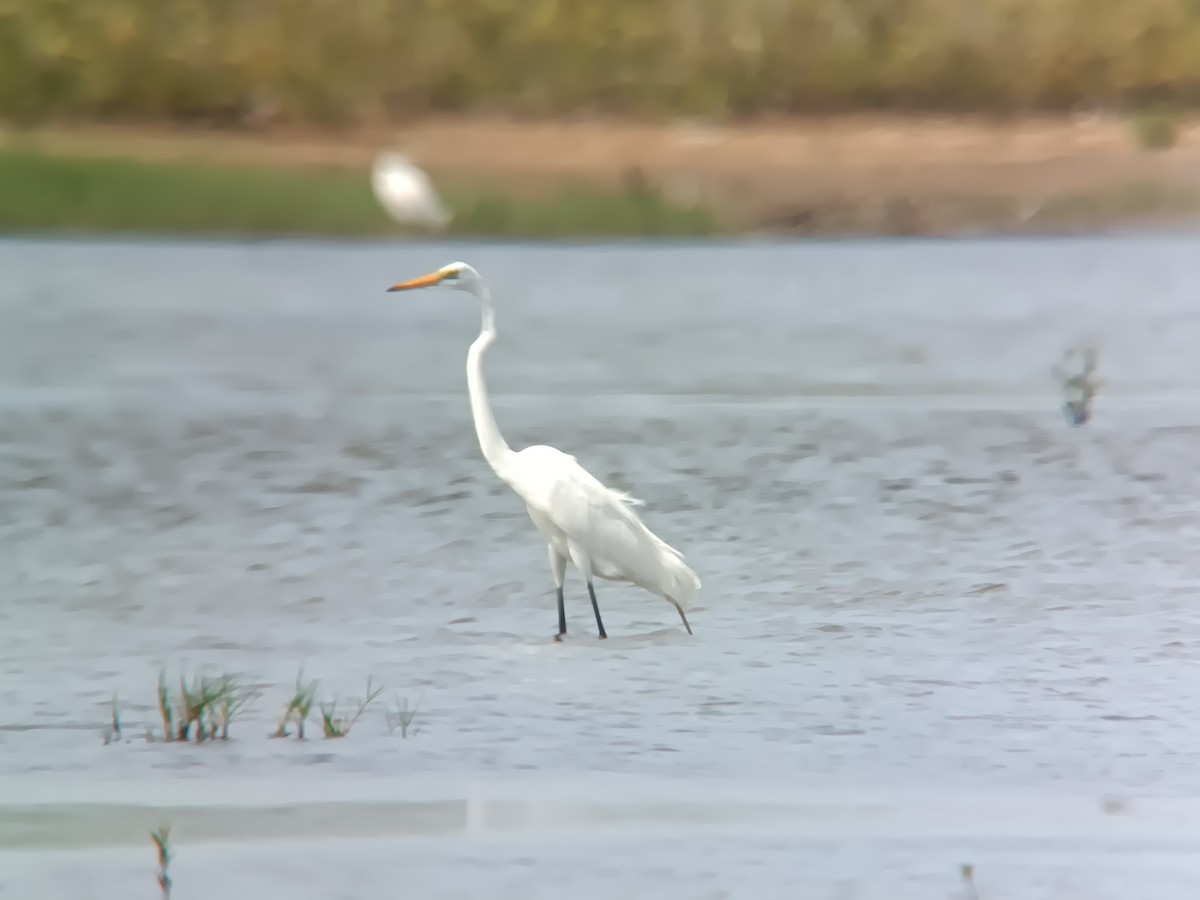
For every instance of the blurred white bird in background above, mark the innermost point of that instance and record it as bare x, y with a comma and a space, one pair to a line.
406, 193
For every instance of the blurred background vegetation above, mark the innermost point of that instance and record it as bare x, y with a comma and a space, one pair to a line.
362, 68
347, 62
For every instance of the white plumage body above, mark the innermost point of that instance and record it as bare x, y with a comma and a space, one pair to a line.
406, 193
595, 526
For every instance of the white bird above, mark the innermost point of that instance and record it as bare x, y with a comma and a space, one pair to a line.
406, 193
583, 521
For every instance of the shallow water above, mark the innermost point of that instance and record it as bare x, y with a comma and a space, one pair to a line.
922, 590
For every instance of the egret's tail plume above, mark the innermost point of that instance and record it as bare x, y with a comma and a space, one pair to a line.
683, 582
676, 579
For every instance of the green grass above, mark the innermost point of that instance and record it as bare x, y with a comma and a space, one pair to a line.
336, 726
1155, 129
298, 708
1135, 201
203, 708
41, 192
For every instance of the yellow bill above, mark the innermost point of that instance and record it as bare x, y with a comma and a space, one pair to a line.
424, 281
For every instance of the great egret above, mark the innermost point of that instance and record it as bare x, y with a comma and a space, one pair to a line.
583, 521
406, 193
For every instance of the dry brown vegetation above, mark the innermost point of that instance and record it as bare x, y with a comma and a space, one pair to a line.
816, 115
332, 62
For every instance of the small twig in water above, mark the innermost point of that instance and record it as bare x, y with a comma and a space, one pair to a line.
164, 707
113, 733
401, 717
162, 842
1079, 387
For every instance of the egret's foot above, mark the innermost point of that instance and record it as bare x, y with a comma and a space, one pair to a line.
558, 638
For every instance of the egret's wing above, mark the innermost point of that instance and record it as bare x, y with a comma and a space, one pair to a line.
601, 522
598, 518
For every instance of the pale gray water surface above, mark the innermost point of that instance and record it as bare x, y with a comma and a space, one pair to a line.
918, 581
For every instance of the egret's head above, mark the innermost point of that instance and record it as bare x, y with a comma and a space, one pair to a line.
456, 275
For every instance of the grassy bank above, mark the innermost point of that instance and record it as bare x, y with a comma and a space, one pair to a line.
328, 62
44, 192
839, 176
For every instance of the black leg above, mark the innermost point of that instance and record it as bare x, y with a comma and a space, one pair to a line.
562, 616
596, 610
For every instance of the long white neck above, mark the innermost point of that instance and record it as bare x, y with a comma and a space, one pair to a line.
495, 450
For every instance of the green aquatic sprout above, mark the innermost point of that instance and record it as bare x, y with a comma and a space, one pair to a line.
968, 877
401, 717
162, 843
204, 707
113, 734
335, 726
299, 708
164, 707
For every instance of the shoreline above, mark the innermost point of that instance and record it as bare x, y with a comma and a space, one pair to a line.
841, 176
